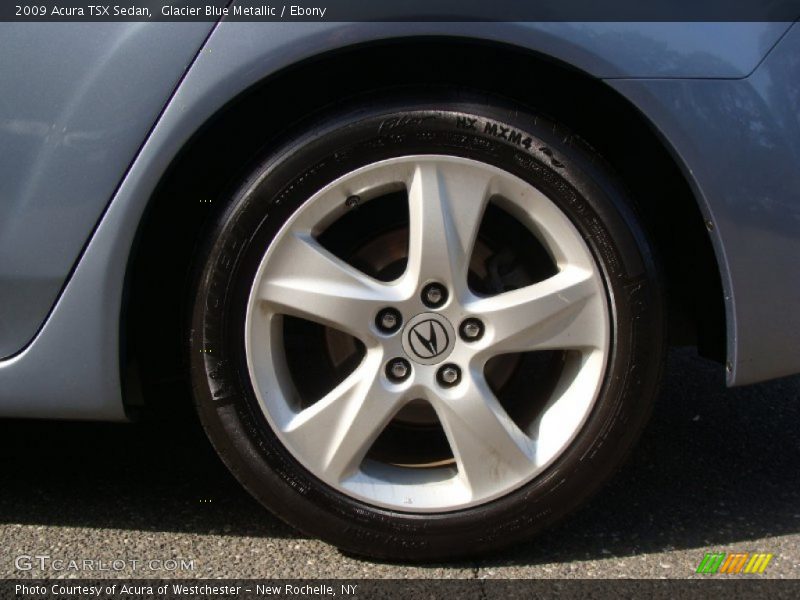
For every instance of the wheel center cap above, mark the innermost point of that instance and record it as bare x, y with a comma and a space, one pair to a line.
428, 338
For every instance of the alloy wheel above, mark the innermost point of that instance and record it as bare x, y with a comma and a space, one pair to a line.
426, 336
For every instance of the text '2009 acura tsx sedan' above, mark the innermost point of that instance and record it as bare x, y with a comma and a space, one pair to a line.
421, 276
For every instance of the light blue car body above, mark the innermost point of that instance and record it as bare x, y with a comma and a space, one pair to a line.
86, 139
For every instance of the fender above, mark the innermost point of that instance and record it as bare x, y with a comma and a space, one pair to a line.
86, 318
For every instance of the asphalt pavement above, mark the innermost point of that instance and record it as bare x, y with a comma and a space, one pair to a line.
718, 470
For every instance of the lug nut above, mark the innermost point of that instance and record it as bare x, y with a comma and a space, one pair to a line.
448, 375
388, 320
434, 295
398, 369
471, 330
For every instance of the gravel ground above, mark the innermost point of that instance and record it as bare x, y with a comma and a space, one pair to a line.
717, 470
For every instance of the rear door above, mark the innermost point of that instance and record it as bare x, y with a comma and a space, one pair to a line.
77, 101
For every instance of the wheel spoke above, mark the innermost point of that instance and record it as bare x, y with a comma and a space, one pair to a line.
307, 281
337, 431
571, 398
560, 312
489, 448
446, 204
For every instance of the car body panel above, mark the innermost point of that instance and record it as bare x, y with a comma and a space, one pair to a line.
79, 121
77, 102
750, 192
79, 344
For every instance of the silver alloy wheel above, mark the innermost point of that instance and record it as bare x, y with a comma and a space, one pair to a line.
493, 456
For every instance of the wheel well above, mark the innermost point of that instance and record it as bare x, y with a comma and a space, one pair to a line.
194, 188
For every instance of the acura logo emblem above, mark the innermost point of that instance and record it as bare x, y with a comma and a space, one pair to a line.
428, 339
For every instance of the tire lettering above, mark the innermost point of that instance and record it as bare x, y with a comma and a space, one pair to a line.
466, 123
517, 138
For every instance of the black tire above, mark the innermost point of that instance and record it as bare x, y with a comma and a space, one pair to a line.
525, 144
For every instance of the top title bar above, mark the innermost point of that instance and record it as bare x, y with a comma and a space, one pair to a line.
402, 10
